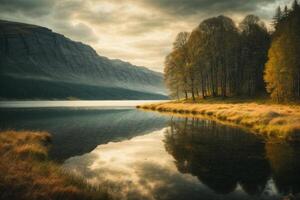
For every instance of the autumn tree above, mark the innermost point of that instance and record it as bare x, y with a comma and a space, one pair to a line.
197, 64
220, 37
282, 73
176, 75
220, 59
255, 42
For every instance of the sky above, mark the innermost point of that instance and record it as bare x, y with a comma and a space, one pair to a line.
137, 31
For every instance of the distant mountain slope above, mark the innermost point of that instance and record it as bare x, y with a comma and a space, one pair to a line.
38, 63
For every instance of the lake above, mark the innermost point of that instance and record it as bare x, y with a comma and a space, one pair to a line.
146, 155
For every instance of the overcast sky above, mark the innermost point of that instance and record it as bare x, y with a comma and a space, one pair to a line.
138, 31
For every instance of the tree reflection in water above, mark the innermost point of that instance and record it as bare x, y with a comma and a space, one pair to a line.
223, 157
284, 159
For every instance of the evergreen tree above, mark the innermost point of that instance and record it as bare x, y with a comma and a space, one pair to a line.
286, 12
295, 5
277, 17
282, 73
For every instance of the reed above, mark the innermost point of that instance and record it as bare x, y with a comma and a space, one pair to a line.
27, 173
277, 120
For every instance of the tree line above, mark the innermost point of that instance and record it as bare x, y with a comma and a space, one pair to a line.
220, 58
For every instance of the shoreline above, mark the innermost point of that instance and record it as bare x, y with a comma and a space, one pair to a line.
271, 120
26, 172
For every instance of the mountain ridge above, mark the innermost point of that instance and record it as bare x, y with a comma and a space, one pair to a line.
34, 53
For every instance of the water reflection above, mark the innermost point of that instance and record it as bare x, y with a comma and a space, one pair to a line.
140, 168
76, 131
140, 155
193, 159
220, 156
284, 159
224, 158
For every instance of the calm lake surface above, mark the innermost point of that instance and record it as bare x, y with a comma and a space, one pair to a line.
145, 155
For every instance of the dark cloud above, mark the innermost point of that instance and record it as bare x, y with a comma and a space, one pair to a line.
139, 31
30, 8
184, 7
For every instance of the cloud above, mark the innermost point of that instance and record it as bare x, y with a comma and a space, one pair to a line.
194, 6
138, 170
31, 8
140, 31
78, 31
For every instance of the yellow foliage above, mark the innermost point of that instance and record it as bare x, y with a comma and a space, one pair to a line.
282, 72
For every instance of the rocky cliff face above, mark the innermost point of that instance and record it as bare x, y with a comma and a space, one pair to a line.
38, 63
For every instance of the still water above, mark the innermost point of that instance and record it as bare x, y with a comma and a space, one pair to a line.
145, 155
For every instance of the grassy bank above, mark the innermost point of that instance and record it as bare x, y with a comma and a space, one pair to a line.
270, 119
26, 172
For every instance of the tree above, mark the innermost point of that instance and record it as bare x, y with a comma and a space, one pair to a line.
221, 41
175, 66
286, 12
219, 59
197, 63
282, 73
172, 78
255, 42
277, 17
295, 5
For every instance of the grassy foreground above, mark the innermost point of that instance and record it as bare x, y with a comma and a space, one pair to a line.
282, 121
26, 172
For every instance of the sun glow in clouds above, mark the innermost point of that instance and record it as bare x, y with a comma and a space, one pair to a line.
140, 32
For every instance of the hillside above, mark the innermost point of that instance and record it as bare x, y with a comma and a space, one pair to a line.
36, 63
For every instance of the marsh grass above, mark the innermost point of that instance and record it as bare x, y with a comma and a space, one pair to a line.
274, 120
27, 173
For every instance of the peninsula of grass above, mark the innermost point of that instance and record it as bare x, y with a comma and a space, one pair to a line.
261, 117
27, 173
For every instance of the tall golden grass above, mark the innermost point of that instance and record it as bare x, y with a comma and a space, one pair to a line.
27, 173
282, 121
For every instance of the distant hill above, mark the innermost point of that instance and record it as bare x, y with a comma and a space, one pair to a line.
36, 63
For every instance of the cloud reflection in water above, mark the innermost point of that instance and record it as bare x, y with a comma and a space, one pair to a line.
141, 168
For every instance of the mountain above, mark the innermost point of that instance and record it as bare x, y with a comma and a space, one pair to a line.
36, 63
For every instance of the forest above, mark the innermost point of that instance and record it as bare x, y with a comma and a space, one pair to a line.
222, 59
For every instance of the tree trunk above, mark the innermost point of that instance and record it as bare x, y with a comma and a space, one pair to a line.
298, 84
197, 92
177, 94
193, 90
225, 83
193, 95
213, 87
202, 86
